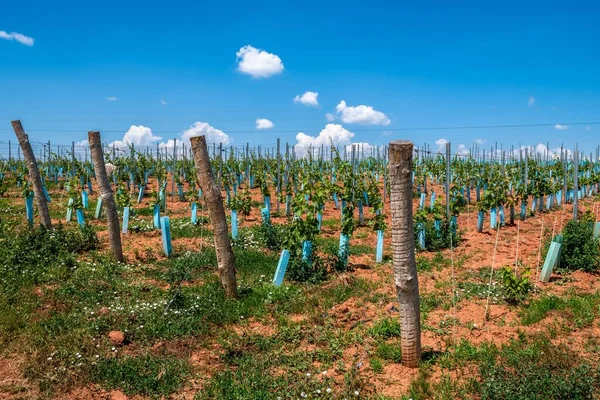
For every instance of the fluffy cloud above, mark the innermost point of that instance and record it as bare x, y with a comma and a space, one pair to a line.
361, 148
361, 115
308, 99
332, 133
263, 123
137, 135
561, 127
531, 101
258, 63
163, 102
111, 98
213, 135
17, 37
330, 117
479, 141
539, 149
462, 150
441, 144
142, 136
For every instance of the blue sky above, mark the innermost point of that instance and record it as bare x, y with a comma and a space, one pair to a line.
421, 65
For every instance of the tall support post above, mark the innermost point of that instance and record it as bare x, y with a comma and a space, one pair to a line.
575, 181
216, 211
278, 172
34, 173
106, 194
448, 159
403, 248
73, 158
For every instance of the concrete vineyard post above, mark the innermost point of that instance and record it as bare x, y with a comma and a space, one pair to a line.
34, 173
404, 265
448, 181
575, 182
106, 195
216, 211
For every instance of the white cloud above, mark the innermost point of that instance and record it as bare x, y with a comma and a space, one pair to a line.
332, 133
441, 144
531, 101
361, 148
213, 135
539, 149
137, 135
263, 123
163, 102
18, 37
479, 141
308, 99
561, 127
111, 98
462, 150
258, 63
361, 115
330, 117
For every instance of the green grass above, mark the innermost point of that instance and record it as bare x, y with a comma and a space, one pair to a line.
578, 309
259, 368
149, 375
386, 328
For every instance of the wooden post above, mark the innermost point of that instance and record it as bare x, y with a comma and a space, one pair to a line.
216, 211
34, 173
403, 248
106, 195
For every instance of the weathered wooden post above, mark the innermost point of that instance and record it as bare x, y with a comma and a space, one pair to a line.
34, 173
106, 195
403, 248
216, 211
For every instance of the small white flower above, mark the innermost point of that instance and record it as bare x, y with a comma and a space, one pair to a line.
328, 390
324, 372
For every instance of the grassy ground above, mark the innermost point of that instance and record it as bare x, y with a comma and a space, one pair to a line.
62, 300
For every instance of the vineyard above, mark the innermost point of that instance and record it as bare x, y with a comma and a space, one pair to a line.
209, 272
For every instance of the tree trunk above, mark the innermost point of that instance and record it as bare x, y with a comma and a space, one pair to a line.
403, 247
34, 173
114, 233
216, 212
